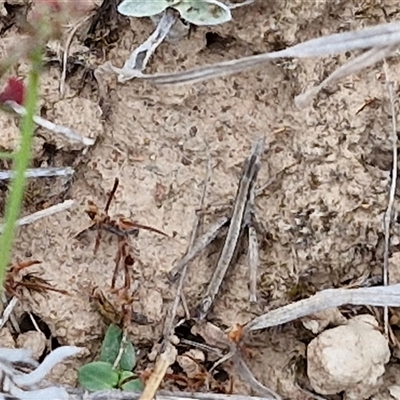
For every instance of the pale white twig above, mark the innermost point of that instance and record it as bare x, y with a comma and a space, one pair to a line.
138, 60
39, 173
121, 350
253, 262
8, 311
29, 219
52, 127
361, 62
232, 6
389, 210
382, 39
54, 358
379, 296
11, 317
23, 386
34, 323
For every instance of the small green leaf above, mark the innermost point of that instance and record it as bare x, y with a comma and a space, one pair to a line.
128, 359
135, 385
98, 375
111, 344
204, 12
144, 8
124, 376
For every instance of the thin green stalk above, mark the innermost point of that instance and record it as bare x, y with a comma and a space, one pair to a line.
20, 164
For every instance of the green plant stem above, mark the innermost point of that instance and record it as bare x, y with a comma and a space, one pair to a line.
20, 164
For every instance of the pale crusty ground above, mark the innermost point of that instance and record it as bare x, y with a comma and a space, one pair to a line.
323, 217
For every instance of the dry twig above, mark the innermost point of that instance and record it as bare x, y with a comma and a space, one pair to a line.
249, 176
389, 210
8, 311
39, 173
382, 39
119, 226
379, 296
29, 219
161, 395
165, 359
52, 127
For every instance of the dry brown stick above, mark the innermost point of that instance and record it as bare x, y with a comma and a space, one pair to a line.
165, 359
250, 171
392, 193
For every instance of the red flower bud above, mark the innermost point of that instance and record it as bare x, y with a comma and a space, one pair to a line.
13, 91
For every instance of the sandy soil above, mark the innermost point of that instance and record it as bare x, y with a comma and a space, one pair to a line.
321, 219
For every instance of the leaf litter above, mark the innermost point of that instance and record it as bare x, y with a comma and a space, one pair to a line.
329, 240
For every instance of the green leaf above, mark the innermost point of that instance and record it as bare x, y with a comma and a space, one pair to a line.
204, 12
98, 375
128, 359
124, 376
111, 344
135, 385
144, 8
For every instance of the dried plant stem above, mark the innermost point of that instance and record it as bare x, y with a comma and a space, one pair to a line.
379, 296
165, 359
248, 377
161, 395
8, 311
38, 173
389, 210
51, 126
29, 219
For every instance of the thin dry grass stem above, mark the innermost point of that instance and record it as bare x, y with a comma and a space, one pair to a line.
138, 60
34, 323
8, 311
248, 377
200, 244
11, 317
378, 296
66, 50
253, 248
15, 384
161, 395
232, 6
39, 173
392, 193
51, 126
121, 349
202, 346
361, 62
29, 219
169, 326
165, 359
237, 221
382, 39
